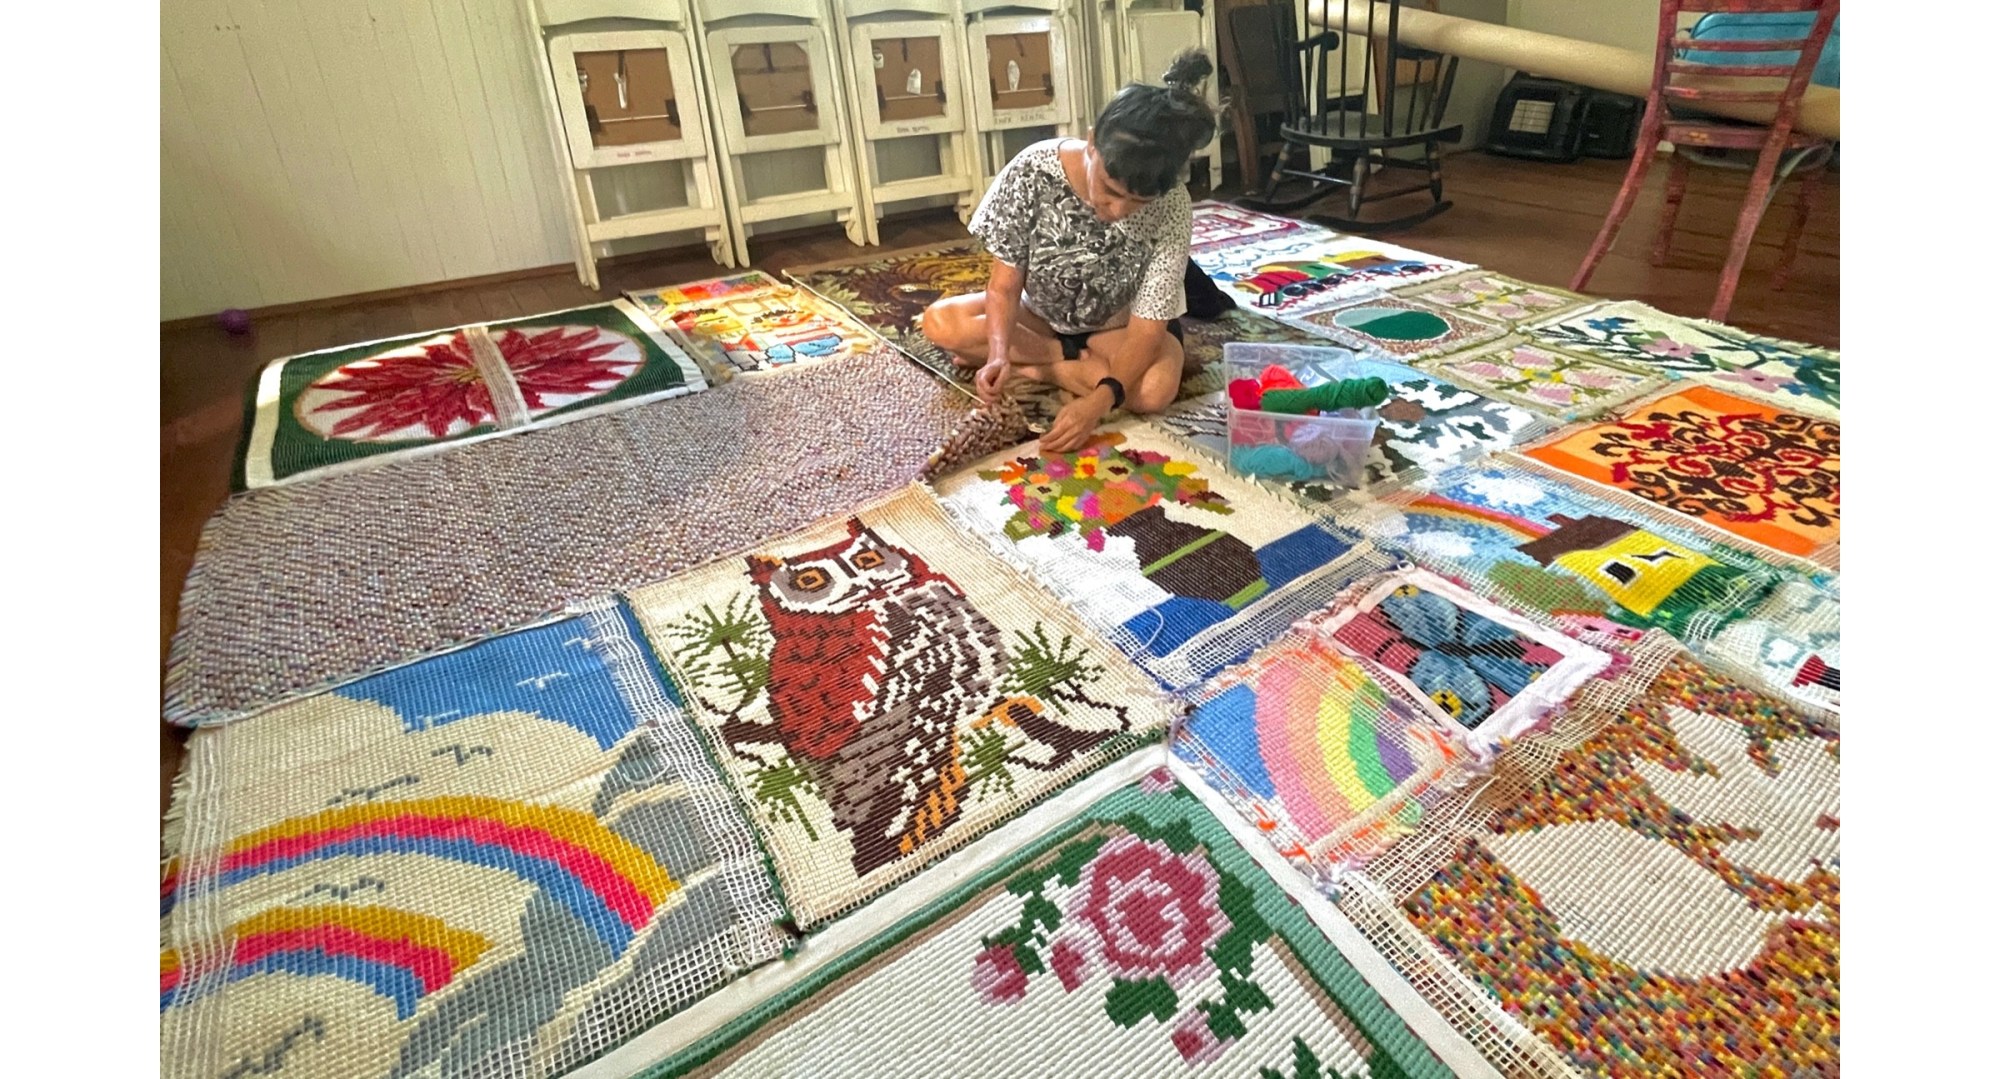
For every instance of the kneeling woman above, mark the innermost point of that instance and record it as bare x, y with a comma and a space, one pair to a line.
1090, 243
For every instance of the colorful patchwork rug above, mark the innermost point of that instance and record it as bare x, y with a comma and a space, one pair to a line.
1654, 895
1137, 939
1789, 645
1766, 475
1487, 671
506, 859
880, 690
342, 409
1293, 272
1184, 566
306, 585
1497, 297
1548, 543
1562, 385
1330, 762
1427, 426
1403, 328
753, 322
1784, 374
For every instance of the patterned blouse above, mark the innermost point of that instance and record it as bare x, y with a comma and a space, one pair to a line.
1083, 272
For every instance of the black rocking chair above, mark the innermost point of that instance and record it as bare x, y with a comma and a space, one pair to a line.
1415, 82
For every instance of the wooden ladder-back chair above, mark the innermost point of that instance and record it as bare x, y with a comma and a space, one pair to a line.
1774, 141
1390, 98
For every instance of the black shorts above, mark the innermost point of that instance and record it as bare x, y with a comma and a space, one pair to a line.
1073, 343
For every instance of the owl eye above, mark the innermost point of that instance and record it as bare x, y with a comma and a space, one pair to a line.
868, 560
810, 580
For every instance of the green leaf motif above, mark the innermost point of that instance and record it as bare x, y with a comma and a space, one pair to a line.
1128, 1002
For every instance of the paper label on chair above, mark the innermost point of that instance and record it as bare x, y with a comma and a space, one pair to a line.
879, 60
915, 83
1013, 76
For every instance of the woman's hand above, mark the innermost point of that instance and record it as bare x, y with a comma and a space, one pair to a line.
1077, 422
990, 380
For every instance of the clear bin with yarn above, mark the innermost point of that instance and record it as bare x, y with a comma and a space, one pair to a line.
1331, 446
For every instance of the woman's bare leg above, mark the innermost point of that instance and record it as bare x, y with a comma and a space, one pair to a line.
1157, 386
957, 324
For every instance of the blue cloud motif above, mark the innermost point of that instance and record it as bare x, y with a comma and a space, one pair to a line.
552, 671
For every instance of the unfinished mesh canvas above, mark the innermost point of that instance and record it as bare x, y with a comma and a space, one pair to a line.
879, 689
1400, 327
1544, 379
1293, 272
753, 322
1182, 565
1329, 762
1136, 939
505, 860
1426, 426
324, 413
1783, 374
1788, 646
1219, 224
1489, 673
1507, 300
305, 585
1658, 894
1766, 475
1547, 543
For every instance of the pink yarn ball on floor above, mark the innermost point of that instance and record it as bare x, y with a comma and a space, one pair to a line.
235, 320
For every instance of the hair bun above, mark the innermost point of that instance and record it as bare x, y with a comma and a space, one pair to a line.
1188, 70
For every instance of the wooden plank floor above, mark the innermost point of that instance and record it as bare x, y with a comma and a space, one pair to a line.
1528, 219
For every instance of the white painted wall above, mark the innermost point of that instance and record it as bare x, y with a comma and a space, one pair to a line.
315, 148
1627, 24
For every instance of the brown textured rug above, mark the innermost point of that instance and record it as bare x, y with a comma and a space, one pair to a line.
301, 587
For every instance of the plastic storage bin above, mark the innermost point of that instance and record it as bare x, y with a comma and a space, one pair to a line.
1331, 446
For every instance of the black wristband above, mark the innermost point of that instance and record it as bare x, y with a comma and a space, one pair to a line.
1117, 390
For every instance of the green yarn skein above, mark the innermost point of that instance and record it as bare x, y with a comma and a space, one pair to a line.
1347, 393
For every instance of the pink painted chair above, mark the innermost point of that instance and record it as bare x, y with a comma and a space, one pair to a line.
1773, 141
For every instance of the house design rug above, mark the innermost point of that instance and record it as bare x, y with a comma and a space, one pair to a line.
1138, 939
1293, 272
1666, 900
1794, 377
1181, 564
1556, 546
1564, 386
1403, 328
1768, 476
1497, 297
511, 853
1220, 224
1486, 669
754, 322
880, 690
333, 411
1327, 760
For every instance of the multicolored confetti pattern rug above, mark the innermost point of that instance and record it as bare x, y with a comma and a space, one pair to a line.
753, 322
1768, 476
880, 690
1184, 566
505, 859
306, 585
1665, 898
1138, 938
323, 413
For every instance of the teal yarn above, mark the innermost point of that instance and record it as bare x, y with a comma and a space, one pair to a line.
1274, 461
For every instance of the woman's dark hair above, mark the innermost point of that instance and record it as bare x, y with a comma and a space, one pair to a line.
1147, 133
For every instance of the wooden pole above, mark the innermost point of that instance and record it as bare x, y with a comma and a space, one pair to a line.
1605, 67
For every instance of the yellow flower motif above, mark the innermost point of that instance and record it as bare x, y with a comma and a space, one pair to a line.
1177, 468
1039, 478
1067, 507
